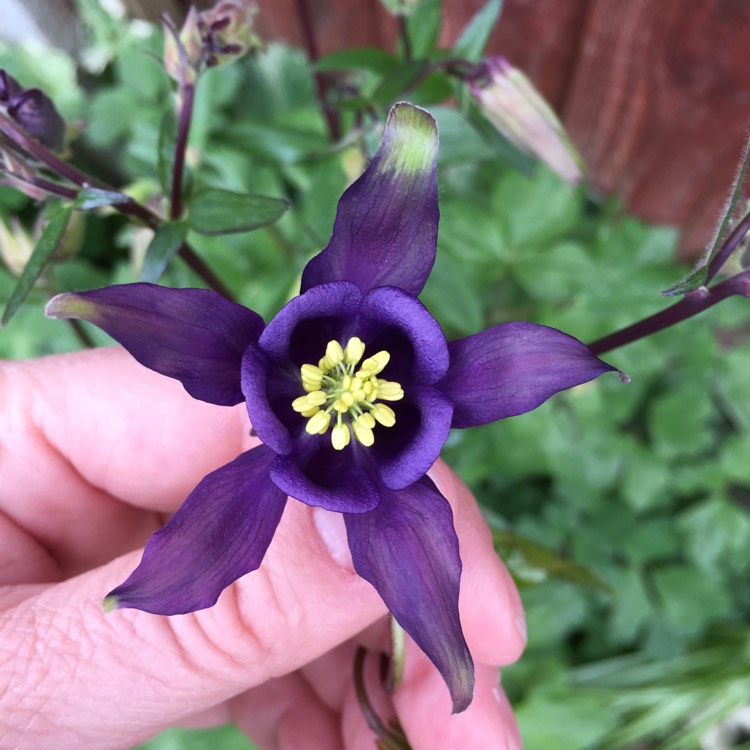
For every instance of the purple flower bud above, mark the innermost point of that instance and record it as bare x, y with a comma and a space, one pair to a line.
512, 104
34, 110
9, 87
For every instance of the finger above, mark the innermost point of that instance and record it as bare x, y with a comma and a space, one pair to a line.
65, 662
130, 432
286, 714
423, 709
104, 429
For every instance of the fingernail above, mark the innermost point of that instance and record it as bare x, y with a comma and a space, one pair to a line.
521, 626
332, 531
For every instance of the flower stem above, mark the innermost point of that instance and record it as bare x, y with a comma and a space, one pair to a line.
131, 207
183, 130
387, 738
321, 84
734, 239
81, 333
403, 32
693, 303
201, 268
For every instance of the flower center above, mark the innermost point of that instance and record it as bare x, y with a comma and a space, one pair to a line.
345, 393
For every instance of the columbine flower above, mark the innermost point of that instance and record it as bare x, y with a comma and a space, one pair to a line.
352, 388
521, 114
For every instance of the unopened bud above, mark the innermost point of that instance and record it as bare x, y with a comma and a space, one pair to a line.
227, 30
35, 112
183, 50
16, 246
512, 104
10, 88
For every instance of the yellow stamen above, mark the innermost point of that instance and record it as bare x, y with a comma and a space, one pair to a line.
384, 414
301, 404
389, 391
340, 437
317, 398
375, 364
334, 353
339, 393
364, 434
354, 351
318, 423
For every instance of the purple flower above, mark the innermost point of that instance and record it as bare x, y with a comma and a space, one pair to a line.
352, 388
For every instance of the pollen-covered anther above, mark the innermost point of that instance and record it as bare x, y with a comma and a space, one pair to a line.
336, 388
389, 391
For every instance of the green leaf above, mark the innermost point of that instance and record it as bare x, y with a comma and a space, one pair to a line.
537, 563
474, 37
423, 27
694, 280
163, 247
392, 87
227, 738
275, 142
365, 58
96, 198
215, 211
44, 250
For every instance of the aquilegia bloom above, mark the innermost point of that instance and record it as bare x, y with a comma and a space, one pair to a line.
352, 388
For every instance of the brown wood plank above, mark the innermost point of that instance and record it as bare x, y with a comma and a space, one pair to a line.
659, 105
655, 93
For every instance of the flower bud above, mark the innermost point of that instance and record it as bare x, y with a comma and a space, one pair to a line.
9, 87
35, 112
227, 30
183, 51
512, 104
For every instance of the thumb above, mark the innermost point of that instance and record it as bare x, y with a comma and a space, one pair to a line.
73, 676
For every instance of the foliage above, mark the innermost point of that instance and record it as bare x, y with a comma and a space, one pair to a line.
621, 510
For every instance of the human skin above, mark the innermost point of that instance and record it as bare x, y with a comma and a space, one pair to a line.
96, 452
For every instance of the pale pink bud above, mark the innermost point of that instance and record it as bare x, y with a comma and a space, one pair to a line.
512, 104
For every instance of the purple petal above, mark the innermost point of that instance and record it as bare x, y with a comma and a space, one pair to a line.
408, 550
221, 532
258, 386
193, 335
512, 368
388, 311
404, 453
299, 333
318, 475
385, 231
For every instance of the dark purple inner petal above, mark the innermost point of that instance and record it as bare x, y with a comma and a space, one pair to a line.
267, 394
405, 452
512, 368
408, 550
220, 533
318, 475
399, 323
299, 333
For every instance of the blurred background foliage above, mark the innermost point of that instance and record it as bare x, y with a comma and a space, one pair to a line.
622, 511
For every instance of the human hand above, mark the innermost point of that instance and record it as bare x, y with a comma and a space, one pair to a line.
95, 453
